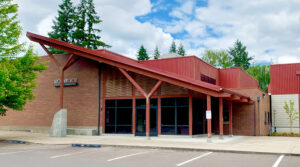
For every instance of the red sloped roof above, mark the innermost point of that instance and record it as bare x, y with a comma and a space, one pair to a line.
120, 61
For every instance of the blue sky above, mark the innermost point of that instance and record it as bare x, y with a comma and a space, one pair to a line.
269, 28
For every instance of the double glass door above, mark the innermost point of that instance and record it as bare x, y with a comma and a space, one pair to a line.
140, 129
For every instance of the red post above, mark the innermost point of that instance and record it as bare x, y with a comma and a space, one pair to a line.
62, 89
158, 112
148, 117
133, 114
190, 115
230, 117
221, 116
208, 101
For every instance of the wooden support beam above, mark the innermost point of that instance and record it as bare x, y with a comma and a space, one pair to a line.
51, 56
208, 109
159, 111
133, 82
230, 117
221, 116
71, 60
154, 88
190, 113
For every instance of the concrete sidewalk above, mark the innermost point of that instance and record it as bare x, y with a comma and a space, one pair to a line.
240, 144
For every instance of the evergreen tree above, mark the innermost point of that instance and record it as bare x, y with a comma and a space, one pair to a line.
63, 24
173, 48
17, 74
156, 53
142, 54
79, 35
181, 50
240, 56
93, 36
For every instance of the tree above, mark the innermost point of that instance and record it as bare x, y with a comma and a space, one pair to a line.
142, 54
93, 37
217, 58
262, 74
240, 56
17, 74
173, 48
156, 53
85, 33
63, 24
181, 50
291, 112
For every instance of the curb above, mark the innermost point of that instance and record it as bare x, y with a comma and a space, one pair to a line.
86, 145
13, 141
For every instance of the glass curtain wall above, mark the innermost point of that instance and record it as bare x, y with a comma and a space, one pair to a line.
118, 116
175, 116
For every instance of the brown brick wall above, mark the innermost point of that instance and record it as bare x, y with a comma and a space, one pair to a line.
81, 101
243, 114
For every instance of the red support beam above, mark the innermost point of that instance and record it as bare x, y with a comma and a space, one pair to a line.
71, 61
51, 56
133, 115
158, 112
154, 88
208, 110
221, 116
230, 117
148, 116
190, 113
133, 82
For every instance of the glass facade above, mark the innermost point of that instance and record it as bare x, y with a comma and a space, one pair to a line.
175, 116
118, 116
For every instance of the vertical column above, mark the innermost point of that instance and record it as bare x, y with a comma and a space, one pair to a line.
158, 113
190, 114
221, 117
103, 100
133, 111
208, 117
203, 116
62, 89
148, 117
230, 117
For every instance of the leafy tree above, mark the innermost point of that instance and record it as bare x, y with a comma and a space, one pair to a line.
156, 53
181, 50
173, 48
142, 54
240, 56
85, 33
291, 112
17, 74
217, 58
63, 24
262, 74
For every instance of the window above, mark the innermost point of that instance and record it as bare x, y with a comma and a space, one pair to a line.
118, 116
174, 116
208, 79
225, 116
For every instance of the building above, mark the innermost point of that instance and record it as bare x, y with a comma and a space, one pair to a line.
111, 94
284, 86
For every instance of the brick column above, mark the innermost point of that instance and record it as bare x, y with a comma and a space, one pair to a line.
230, 117
208, 109
221, 117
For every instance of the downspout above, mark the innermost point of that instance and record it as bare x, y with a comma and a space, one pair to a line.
270, 115
99, 99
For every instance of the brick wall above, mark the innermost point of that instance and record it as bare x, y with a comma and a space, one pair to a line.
81, 101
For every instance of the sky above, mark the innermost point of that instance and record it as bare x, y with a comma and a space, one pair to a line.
269, 28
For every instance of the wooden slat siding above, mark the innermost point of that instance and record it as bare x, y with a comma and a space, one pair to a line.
117, 84
146, 83
169, 89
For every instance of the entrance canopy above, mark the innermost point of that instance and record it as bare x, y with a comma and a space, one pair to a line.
128, 64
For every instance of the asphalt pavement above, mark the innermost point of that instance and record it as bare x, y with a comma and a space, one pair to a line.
37, 155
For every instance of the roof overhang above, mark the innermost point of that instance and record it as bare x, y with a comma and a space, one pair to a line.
119, 61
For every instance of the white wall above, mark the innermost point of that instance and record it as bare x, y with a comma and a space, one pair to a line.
279, 117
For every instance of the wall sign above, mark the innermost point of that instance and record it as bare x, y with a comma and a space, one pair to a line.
67, 82
208, 114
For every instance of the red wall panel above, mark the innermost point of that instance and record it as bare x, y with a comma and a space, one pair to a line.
284, 79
